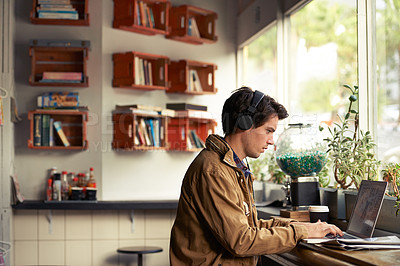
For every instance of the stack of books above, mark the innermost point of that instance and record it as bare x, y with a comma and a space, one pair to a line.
145, 16
58, 100
62, 77
190, 110
143, 72
56, 9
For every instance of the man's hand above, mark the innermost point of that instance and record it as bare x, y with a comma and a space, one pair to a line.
320, 229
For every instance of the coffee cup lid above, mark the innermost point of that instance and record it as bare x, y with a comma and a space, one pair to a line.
318, 209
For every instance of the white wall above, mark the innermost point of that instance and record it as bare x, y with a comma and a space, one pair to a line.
120, 175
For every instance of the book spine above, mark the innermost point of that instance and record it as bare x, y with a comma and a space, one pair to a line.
63, 75
51, 132
45, 130
61, 134
38, 130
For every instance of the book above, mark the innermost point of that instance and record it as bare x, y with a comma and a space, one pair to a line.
156, 126
137, 70
193, 113
186, 106
37, 136
150, 23
151, 130
45, 140
62, 75
58, 15
58, 99
142, 13
144, 131
196, 81
61, 134
150, 73
139, 20
137, 106
51, 132
141, 72
139, 134
152, 17
196, 139
195, 28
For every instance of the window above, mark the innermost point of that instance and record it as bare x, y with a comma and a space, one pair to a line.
388, 79
322, 57
259, 70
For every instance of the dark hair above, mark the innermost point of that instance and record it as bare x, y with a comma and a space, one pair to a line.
238, 103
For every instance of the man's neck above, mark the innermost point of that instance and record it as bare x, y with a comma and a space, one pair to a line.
235, 142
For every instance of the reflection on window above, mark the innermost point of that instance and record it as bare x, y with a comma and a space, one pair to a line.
259, 63
388, 79
322, 57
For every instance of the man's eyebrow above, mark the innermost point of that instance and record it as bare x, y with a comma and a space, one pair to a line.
271, 129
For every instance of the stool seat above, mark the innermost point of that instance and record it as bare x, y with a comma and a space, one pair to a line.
140, 250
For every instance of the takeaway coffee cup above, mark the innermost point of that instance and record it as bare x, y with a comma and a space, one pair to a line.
318, 213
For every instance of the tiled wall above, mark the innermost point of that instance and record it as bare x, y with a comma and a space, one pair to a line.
78, 237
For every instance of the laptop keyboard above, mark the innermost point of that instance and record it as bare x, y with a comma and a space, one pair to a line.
345, 236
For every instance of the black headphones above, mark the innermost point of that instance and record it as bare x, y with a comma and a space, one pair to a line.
245, 119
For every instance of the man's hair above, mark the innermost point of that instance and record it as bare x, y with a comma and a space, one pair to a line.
238, 103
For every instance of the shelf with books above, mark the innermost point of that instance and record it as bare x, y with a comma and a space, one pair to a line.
192, 77
139, 131
192, 25
59, 63
60, 12
147, 17
58, 129
189, 133
141, 71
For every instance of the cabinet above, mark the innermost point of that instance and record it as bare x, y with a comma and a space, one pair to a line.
60, 57
43, 132
192, 77
182, 129
148, 17
74, 13
133, 131
192, 25
135, 70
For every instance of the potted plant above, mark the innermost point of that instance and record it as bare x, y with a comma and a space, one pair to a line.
352, 154
391, 174
269, 178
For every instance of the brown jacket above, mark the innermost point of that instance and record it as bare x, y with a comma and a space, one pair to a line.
216, 221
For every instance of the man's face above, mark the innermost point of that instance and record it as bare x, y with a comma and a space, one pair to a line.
256, 140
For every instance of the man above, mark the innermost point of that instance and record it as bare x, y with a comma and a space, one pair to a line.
216, 221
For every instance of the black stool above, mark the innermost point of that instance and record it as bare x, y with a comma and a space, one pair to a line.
140, 250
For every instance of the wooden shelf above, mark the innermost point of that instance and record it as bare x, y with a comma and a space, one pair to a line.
183, 28
81, 6
180, 74
141, 71
73, 125
128, 16
58, 56
179, 130
132, 131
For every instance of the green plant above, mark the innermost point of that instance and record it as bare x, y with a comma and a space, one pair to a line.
267, 164
351, 149
391, 174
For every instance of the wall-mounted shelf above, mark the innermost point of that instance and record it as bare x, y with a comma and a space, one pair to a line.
192, 77
77, 14
192, 25
58, 56
147, 17
142, 132
180, 132
141, 71
73, 125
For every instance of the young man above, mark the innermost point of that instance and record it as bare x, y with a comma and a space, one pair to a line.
216, 221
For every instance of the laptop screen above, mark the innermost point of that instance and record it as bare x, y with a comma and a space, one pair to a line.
367, 208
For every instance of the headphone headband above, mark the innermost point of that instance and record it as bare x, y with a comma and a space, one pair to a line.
258, 96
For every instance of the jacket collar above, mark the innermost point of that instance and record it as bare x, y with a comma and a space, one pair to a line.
219, 145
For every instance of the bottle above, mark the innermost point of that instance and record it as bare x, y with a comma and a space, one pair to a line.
57, 187
49, 189
72, 182
92, 180
64, 185
81, 180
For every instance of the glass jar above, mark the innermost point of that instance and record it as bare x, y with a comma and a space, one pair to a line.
301, 150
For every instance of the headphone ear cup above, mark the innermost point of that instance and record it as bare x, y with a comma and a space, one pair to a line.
244, 122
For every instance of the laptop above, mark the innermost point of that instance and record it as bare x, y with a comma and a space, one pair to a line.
365, 212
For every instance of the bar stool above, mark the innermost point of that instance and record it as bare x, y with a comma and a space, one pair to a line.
140, 250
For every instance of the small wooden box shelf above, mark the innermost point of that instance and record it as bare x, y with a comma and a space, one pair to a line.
147, 17
183, 73
141, 71
141, 132
73, 124
81, 6
192, 25
179, 130
58, 56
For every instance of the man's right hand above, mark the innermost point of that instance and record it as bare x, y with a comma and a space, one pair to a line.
320, 229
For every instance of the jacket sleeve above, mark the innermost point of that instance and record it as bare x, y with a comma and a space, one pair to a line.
217, 199
274, 221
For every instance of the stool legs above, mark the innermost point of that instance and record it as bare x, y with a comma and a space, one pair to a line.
140, 259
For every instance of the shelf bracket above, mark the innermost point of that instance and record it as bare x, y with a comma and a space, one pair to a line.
132, 221
50, 220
